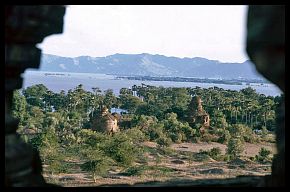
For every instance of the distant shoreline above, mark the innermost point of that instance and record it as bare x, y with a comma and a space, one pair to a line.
196, 80
162, 78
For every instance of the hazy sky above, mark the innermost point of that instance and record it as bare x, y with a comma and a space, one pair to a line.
214, 32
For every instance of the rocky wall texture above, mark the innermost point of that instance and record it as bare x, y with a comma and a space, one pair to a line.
266, 49
25, 26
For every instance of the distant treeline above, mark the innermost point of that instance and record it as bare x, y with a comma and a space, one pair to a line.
196, 80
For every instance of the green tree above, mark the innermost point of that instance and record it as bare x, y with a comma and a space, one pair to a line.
243, 132
224, 136
97, 163
237, 130
135, 135
59, 101
122, 150
35, 95
50, 151
249, 92
235, 147
129, 102
109, 99
155, 131
144, 122
91, 138
19, 107
35, 118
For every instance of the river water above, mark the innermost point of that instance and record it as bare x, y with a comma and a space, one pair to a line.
57, 81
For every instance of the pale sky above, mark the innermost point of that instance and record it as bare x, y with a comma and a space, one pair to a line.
212, 31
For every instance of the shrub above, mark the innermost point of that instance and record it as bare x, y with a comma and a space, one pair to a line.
167, 151
178, 131
188, 132
225, 137
263, 156
90, 137
215, 153
242, 131
122, 150
237, 130
58, 166
96, 167
155, 131
207, 137
249, 135
252, 158
68, 139
49, 148
201, 157
160, 171
196, 139
144, 122
134, 170
54, 157
47, 138
264, 132
164, 141
96, 162
226, 157
176, 137
135, 135
235, 147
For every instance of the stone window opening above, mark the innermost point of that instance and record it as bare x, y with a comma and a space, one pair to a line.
242, 181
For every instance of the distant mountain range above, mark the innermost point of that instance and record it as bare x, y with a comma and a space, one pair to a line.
149, 65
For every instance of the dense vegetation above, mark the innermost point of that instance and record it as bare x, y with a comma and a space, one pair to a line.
61, 123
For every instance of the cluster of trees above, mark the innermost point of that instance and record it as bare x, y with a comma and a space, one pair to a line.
37, 107
62, 121
244, 106
77, 107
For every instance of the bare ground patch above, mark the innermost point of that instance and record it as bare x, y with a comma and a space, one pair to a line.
180, 167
